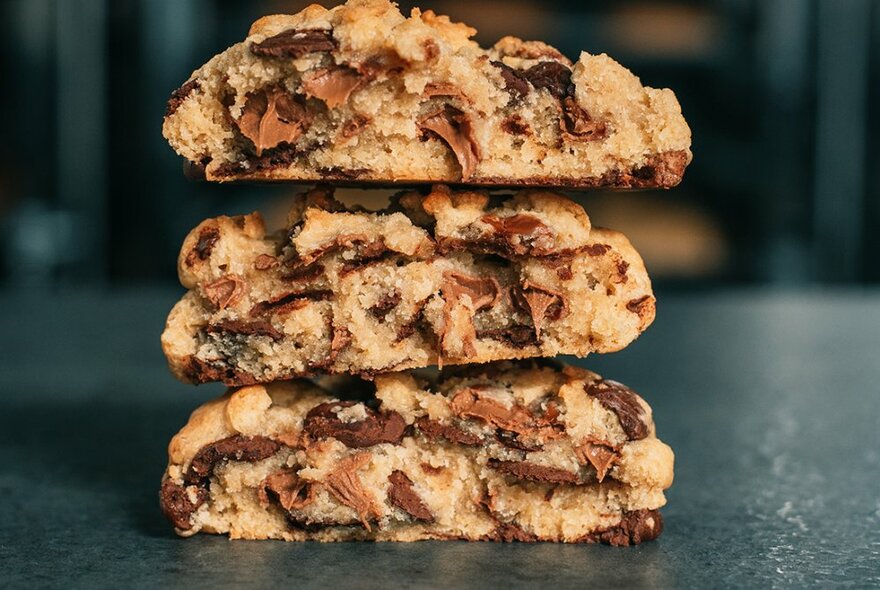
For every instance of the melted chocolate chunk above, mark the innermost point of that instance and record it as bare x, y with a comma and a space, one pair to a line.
508, 532
233, 448
597, 249
600, 455
295, 44
345, 485
520, 234
287, 302
225, 291
636, 305
245, 328
176, 504
534, 472
515, 83
402, 495
618, 398
636, 526
435, 430
199, 371
514, 125
323, 421
265, 262
287, 488
540, 303
272, 117
453, 126
333, 85
208, 237
578, 124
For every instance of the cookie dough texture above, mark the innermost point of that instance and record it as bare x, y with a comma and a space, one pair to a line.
362, 93
444, 278
498, 452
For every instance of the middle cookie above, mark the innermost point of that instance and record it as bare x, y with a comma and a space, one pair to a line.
450, 278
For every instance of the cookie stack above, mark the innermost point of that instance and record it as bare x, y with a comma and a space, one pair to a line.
336, 427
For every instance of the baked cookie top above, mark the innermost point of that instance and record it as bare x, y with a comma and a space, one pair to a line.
362, 93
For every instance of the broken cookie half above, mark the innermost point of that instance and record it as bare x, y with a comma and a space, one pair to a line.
499, 452
439, 278
362, 93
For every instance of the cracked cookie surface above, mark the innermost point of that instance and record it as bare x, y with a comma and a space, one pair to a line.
498, 452
362, 93
447, 278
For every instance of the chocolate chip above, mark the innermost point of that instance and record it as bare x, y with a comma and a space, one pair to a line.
540, 303
176, 504
435, 430
600, 455
265, 262
482, 291
180, 95
618, 398
233, 448
323, 421
295, 44
521, 234
534, 472
272, 117
208, 237
402, 495
577, 124
199, 371
245, 328
597, 249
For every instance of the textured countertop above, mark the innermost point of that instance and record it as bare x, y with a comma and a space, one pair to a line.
770, 401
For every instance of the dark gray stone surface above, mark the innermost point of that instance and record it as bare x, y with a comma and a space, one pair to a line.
771, 402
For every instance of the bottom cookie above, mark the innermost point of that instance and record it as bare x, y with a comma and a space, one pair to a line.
498, 452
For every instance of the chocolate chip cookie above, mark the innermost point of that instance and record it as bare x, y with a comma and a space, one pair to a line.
362, 93
501, 452
447, 277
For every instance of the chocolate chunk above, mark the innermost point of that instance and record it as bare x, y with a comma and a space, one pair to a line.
521, 234
323, 421
514, 336
208, 237
515, 125
577, 124
458, 335
600, 455
295, 44
551, 76
515, 83
345, 485
245, 328
384, 305
180, 95
635, 527
366, 255
225, 291
435, 430
454, 127
618, 398
233, 448
432, 50
508, 532
304, 274
415, 322
176, 504
621, 266
272, 117
540, 303
402, 495
287, 488
287, 302
332, 85
534, 472
265, 262
597, 249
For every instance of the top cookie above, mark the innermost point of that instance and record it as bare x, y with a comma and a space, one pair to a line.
362, 93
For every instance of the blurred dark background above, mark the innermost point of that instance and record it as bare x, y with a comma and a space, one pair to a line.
783, 97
